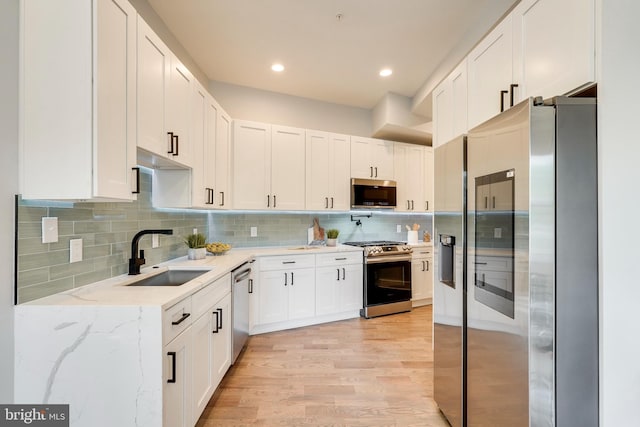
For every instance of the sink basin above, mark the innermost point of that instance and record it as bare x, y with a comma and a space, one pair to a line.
304, 248
169, 278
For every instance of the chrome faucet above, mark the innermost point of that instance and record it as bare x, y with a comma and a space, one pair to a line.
136, 261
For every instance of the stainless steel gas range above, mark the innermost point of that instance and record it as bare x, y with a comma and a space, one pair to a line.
387, 277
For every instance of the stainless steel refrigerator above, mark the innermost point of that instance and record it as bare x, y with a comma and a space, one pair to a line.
516, 270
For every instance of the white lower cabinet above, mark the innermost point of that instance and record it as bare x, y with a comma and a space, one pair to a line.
422, 276
338, 283
300, 290
198, 331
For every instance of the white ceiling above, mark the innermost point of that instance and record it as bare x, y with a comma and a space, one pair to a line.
236, 41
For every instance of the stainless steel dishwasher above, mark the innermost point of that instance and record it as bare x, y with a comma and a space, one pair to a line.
241, 287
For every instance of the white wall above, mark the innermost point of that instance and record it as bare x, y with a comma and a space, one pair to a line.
619, 204
270, 107
8, 185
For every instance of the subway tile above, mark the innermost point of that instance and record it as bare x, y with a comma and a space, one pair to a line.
80, 227
90, 252
91, 277
68, 270
31, 261
31, 213
124, 226
29, 229
31, 293
32, 246
32, 277
75, 214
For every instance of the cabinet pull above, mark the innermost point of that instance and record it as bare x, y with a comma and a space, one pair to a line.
408, 205
332, 203
341, 259
182, 319
502, 94
480, 263
494, 202
511, 93
427, 265
486, 202
137, 190
208, 191
250, 286
177, 145
285, 278
222, 194
376, 168
288, 262
220, 317
274, 200
217, 329
268, 200
412, 208
343, 273
170, 142
422, 265
371, 173
338, 270
172, 354
213, 197
292, 278
427, 202
326, 203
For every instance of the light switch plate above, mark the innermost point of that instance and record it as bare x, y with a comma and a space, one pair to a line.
398, 228
154, 241
254, 231
49, 229
75, 250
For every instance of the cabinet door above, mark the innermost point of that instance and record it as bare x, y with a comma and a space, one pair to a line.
340, 172
327, 290
459, 100
318, 166
442, 113
202, 343
418, 284
361, 158
288, 168
302, 293
154, 68
176, 396
544, 63
178, 112
201, 185
222, 351
383, 159
415, 177
490, 72
428, 277
223, 161
251, 165
428, 179
400, 154
116, 100
274, 296
351, 287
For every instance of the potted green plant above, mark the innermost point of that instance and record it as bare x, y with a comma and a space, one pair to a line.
197, 246
332, 237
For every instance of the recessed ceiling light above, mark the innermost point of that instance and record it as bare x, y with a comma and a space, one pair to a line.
277, 67
386, 72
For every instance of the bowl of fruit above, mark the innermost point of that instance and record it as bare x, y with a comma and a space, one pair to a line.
218, 248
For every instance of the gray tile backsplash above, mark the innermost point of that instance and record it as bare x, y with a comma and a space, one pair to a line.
107, 230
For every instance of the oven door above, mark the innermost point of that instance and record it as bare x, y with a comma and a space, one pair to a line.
387, 280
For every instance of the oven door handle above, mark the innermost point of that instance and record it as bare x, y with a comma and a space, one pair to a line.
387, 258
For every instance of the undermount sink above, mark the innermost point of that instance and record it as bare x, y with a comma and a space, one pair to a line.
169, 278
304, 248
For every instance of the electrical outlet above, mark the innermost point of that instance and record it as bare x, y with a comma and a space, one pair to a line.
49, 229
398, 228
155, 241
75, 250
254, 231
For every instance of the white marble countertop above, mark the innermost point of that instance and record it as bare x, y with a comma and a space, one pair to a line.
115, 292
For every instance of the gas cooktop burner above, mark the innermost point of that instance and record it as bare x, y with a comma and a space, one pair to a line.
382, 248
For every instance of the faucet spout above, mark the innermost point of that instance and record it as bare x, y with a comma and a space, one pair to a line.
137, 260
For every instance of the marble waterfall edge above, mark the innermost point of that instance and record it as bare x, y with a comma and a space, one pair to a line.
105, 362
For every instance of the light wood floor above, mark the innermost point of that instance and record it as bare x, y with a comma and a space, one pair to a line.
375, 372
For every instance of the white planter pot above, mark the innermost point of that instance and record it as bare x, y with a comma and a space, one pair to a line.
332, 242
199, 253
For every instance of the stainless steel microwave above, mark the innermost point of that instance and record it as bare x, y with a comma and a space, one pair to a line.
373, 194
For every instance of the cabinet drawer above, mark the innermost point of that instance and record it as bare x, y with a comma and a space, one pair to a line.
287, 262
176, 319
421, 253
202, 300
339, 258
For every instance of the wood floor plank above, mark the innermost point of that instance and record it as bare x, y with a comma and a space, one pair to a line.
359, 372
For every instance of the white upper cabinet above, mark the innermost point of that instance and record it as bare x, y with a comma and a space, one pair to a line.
327, 171
491, 75
78, 100
450, 106
203, 175
268, 166
164, 101
371, 158
428, 179
410, 170
222, 188
554, 46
